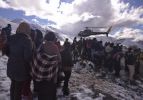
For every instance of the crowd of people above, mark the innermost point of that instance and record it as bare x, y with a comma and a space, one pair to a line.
43, 61
113, 58
34, 58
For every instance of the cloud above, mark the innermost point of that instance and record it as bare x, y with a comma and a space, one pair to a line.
126, 15
135, 34
3, 4
73, 17
113, 12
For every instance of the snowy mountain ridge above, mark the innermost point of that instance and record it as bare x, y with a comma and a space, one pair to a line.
14, 23
135, 34
127, 37
18, 20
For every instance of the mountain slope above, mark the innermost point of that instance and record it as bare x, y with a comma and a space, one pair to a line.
19, 20
14, 23
130, 36
126, 37
135, 34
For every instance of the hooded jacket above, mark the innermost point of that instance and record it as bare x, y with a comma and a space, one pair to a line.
19, 50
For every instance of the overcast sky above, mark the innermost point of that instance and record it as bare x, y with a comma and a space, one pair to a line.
71, 16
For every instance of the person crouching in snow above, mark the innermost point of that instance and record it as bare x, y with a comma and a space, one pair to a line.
66, 67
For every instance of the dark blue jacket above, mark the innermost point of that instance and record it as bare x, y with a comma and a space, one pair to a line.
66, 58
19, 51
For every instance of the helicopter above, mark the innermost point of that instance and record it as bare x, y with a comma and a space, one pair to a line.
87, 32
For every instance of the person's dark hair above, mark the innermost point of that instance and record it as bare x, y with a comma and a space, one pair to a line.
50, 36
67, 39
111, 44
129, 48
8, 25
24, 28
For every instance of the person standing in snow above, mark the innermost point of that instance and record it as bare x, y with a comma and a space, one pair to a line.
66, 42
37, 38
116, 64
131, 61
74, 48
108, 57
66, 66
26, 91
8, 31
3, 39
19, 51
45, 69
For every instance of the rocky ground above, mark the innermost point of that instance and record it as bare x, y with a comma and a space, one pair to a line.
105, 88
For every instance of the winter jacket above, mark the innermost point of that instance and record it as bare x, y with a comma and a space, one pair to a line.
130, 58
19, 50
66, 59
46, 62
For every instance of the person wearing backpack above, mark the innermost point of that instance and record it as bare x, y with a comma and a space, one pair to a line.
19, 51
45, 69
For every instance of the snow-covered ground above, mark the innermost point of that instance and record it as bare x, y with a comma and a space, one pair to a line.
104, 87
85, 84
4, 80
